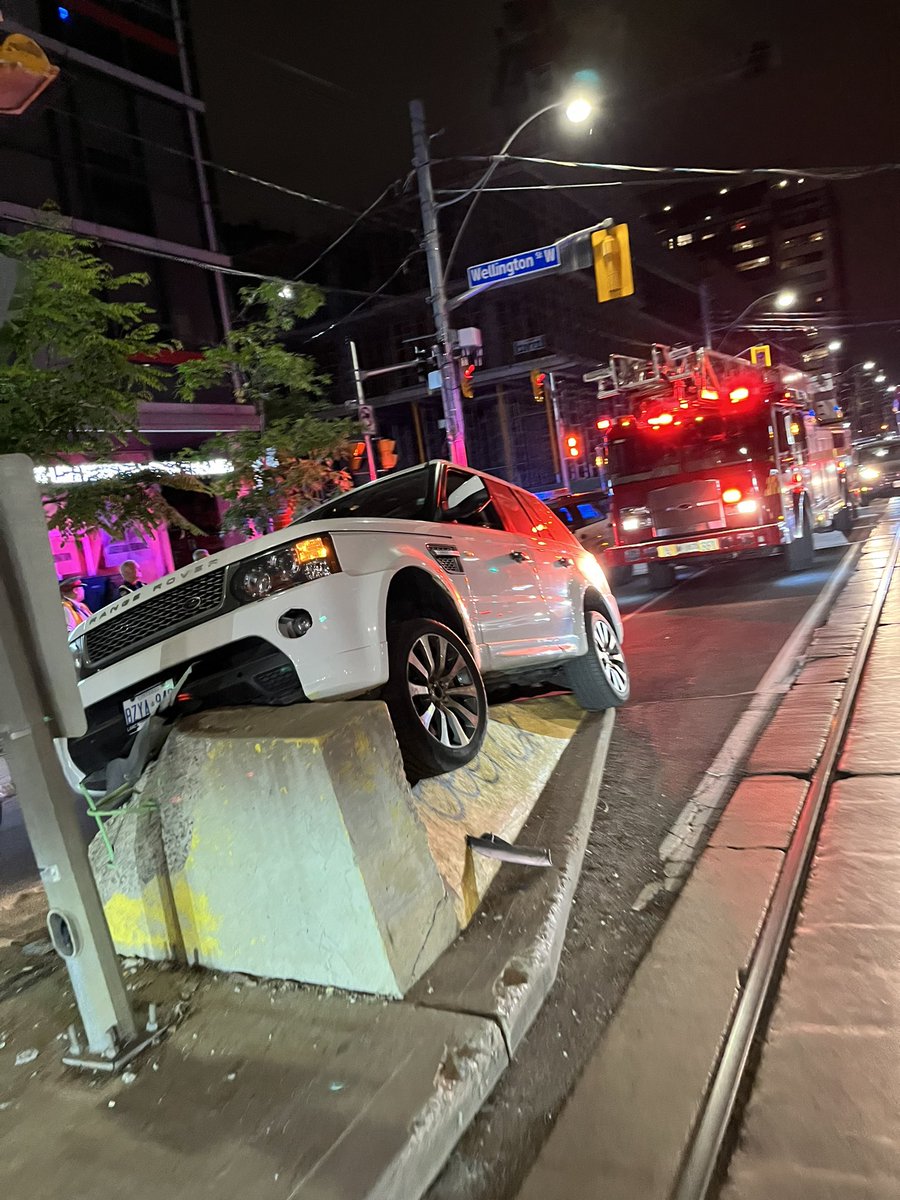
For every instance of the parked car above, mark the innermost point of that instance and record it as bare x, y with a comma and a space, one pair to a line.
415, 588
878, 468
586, 515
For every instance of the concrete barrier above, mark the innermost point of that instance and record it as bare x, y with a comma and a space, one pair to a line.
287, 842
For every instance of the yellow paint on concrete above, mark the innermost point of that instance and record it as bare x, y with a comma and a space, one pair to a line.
144, 924
198, 922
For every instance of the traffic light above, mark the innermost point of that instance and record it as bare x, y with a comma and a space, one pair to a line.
387, 459
612, 263
357, 454
540, 386
573, 446
467, 379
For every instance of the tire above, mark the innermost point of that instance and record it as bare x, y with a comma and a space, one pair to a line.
798, 554
843, 520
599, 679
619, 576
660, 576
436, 698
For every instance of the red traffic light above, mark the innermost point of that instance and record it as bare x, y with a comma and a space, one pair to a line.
573, 446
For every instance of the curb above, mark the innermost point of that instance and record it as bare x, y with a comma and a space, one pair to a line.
653, 1066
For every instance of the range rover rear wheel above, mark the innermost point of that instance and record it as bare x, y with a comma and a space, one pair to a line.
436, 698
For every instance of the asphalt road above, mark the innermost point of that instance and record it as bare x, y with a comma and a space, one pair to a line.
696, 654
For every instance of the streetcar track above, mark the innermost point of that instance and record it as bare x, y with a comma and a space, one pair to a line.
733, 1073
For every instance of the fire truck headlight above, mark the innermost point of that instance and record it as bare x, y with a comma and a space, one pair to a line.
869, 473
634, 519
748, 506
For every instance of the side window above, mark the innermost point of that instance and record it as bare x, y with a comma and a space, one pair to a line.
791, 436
459, 487
544, 523
514, 516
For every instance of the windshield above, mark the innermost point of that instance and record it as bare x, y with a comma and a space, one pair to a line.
698, 445
399, 497
881, 456
578, 511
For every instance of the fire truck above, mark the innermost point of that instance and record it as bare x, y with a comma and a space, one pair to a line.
712, 458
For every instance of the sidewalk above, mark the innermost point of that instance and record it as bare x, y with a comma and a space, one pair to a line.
823, 1120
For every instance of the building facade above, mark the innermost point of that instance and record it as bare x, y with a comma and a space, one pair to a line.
116, 146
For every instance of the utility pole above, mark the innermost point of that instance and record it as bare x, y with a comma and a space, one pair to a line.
360, 401
560, 449
450, 394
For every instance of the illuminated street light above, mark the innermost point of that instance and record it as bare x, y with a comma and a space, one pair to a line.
834, 346
286, 292
892, 388
881, 377
785, 299
579, 109
868, 365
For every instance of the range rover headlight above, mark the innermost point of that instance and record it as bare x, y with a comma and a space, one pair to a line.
286, 567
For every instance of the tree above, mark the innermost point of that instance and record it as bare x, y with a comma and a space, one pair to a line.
295, 460
69, 382
74, 371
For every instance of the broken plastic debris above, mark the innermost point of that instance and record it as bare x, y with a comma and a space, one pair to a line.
336, 1086
128, 1076
492, 846
24, 1057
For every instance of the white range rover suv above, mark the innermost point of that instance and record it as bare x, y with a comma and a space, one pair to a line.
417, 588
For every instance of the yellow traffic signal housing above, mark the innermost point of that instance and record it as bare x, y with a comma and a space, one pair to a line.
467, 380
612, 263
761, 356
539, 385
387, 459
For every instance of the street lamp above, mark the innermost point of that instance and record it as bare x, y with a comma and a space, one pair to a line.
835, 345
783, 299
881, 377
868, 365
578, 107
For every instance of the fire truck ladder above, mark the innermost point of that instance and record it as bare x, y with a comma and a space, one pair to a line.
705, 369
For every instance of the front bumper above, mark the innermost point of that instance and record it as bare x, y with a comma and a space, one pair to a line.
242, 657
723, 544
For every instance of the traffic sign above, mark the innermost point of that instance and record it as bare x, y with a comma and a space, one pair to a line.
529, 262
366, 416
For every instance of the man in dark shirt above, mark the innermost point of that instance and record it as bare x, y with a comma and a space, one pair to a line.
131, 578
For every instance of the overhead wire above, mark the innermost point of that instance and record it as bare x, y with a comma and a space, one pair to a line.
373, 295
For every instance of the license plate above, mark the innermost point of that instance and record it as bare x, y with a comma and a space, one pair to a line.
705, 544
144, 704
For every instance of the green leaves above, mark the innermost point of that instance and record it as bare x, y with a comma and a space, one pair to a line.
69, 386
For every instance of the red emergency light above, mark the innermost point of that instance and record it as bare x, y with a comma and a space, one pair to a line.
665, 418
709, 394
738, 394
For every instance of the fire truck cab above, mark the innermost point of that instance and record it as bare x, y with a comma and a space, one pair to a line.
713, 458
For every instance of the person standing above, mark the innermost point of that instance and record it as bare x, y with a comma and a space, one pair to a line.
131, 578
71, 593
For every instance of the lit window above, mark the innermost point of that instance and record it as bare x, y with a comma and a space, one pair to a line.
818, 236
684, 239
753, 264
707, 236
749, 244
738, 226
723, 191
707, 218
782, 183
671, 243
668, 208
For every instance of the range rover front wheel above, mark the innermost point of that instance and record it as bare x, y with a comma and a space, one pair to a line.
599, 679
435, 696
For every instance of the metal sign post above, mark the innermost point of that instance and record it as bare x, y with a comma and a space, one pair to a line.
39, 701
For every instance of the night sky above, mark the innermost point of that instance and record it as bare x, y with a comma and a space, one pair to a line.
672, 76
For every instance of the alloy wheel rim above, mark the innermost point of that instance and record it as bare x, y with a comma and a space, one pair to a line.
610, 657
442, 691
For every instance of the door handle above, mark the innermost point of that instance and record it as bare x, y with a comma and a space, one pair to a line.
518, 556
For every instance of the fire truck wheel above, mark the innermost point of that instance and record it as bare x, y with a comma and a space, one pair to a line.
660, 576
599, 679
798, 555
619, 576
